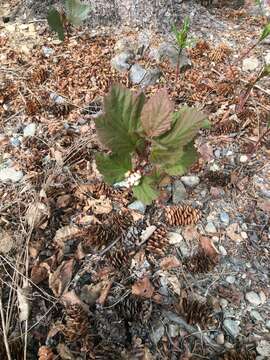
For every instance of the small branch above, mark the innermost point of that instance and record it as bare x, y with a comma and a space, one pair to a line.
4, 328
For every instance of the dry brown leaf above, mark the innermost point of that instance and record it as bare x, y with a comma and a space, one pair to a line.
70, 298
208, 246
66, 233
175, 284
60, 279
104, 292
190, 233
206, 151
39, 273
24, 302
63, 201
170, 262
143, 288
6, 242
64, 352
37, 215
232, 232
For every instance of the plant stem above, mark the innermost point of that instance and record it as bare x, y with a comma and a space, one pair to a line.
178, 64
247, 52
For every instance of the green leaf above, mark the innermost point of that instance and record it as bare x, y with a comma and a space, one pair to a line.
165, 156
206, 124
186, 124
156, 114
55, 22
188, 157
146, 192
265, 32
118, 127
76, 11
113, 167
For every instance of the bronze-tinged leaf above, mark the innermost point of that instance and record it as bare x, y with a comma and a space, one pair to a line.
143, 288
208, 246
60, 279
156, 114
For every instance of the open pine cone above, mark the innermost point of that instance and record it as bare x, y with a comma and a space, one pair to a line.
238, 354
158, 241
46, 353
76, 322
181, 215
119, 258
133, 308
201, 262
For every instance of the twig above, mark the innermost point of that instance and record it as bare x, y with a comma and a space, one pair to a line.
178, 320
109, 246
4, 328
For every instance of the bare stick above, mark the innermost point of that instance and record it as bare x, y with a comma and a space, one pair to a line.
4, 328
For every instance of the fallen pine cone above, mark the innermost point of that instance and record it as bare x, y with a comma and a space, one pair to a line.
119, 258
238, 354
158, 241
46, 353
181, 215
201, 262
76, 322
134, 308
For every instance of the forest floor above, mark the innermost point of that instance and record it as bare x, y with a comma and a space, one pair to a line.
86, 272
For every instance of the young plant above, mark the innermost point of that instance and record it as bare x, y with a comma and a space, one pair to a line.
181, 37
147, 140
74, 13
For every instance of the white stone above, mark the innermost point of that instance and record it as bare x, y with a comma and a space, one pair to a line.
244, 235
223, 303
232, 327
253, 298
256, 315
230, 279
10, 174
220, 339
175, 238
250, 64
210, 228
137, 206
243, 158
267, 58
29, 130
263, 297
190, 181
222, 250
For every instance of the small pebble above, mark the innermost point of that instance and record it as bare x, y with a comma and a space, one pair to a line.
223, 303
214, 167
190, 181
263, 348
224, 217
222, 250
10, 174
253, 298
244, 235
47, 51
229, 153
29, 130
243, 158
210, 228
220, 339
173, 330
15, 142
232, 327
267, 324
175, 238
263, 297
255, 315
230, 279
137, 206
217, 153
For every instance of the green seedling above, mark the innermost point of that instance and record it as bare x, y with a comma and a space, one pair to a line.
147, 140
181, 37
73, 13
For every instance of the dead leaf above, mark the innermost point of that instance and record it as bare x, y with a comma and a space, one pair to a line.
206, 151
64, 352
143, 288
170, 262
104, 292
232, 232
70, 298
156, 114
175, 284
190, 233
37, 215
6, 242
66, 233
208, 246
264, 205
24, 302
39, 273
63, 201
60, 279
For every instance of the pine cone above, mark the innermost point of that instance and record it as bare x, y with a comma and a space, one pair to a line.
76, 322
133, 308
181, 215
238, 354
46, 353
120, 222
201, 262
196, 312
119, 258
226, 128
218, 178
158, 241
98, 235
110, 326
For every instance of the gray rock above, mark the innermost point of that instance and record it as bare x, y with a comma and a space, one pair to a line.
224, 217
175, 238
255, 315
47, 51
222, 250
15, 142
267, 324
210, 228
230, 279
232, 327
217, 153
151, 77
157, 333
137, 206
125, 44
57, 99
179, 192
191, 180
223, 303
184, 62
173, 330
250, 64
253, 298
10, 174
121, 62
137, 74
143, 41
168, 51
29, 130
263, 348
